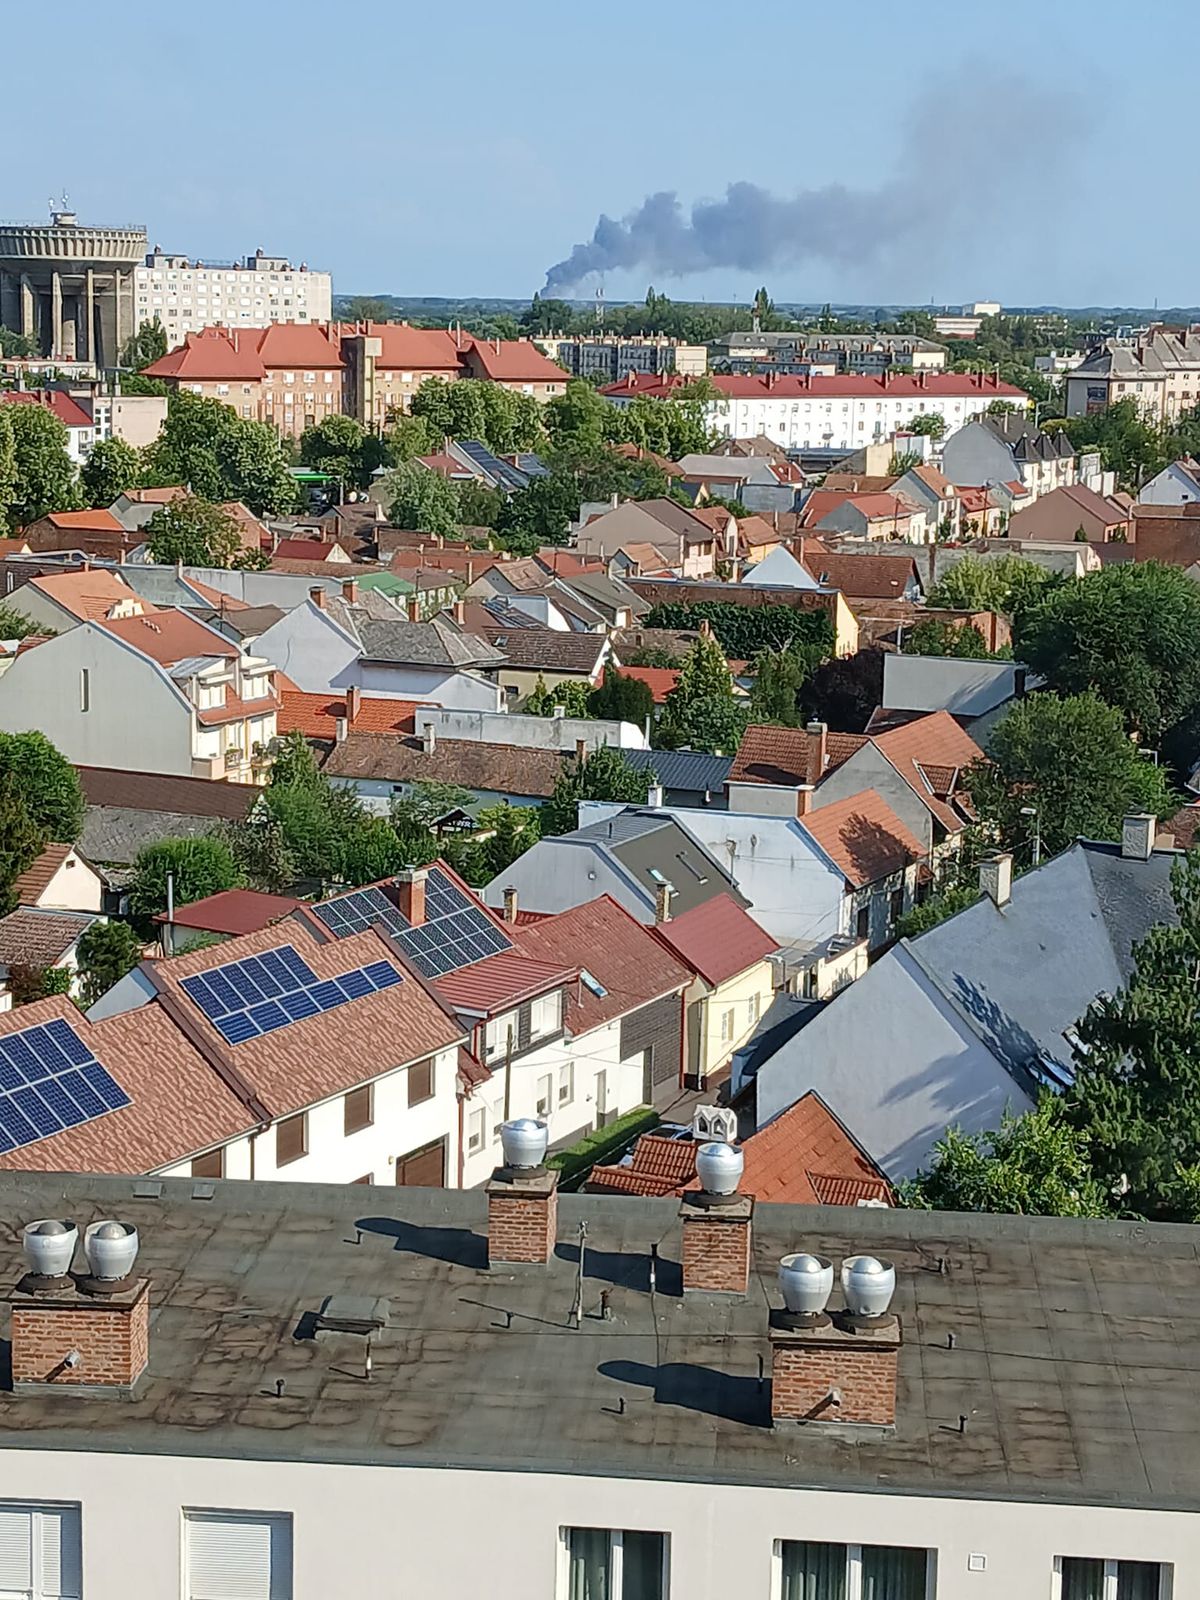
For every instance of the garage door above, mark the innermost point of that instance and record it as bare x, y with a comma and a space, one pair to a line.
424, 1168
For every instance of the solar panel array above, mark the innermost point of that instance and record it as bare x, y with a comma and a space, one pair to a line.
245, 999
50, 1081
456, 931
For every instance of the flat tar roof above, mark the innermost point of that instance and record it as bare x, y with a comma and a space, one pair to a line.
1075, 1360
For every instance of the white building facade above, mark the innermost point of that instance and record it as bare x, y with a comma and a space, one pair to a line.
188, 295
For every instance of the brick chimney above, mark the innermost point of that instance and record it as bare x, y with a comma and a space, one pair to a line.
413, 607
716, 1242
581, 751
817, 739
459, 610
353, 703
350, 591
410, 882
804, 799
838, 1369
522, 1199
510, 905
79, 1330
317, 595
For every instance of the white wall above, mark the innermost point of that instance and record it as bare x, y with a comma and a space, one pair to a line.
136, 718
404, 1530
449, 688
335, 1157
310, 647
539, 733
74, 887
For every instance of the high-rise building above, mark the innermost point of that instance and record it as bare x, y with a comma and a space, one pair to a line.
188, 295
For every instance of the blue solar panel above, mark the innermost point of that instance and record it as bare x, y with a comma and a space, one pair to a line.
50, 1081
275, 989
456, 932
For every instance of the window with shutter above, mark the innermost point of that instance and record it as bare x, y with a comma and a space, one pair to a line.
40, 1556
238, 1555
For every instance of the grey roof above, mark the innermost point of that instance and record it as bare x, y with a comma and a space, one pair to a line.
609, 593
1077, 1358
679, 519
246, 622
944, 683
115, 835
683, 769
549, 648
781, 1021
972, 1017
437, 643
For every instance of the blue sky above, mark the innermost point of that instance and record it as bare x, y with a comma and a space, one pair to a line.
1004, 152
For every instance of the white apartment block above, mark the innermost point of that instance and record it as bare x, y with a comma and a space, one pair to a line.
188, 295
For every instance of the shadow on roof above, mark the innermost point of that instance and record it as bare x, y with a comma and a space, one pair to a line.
626, 1269
697, 1388
461, 1247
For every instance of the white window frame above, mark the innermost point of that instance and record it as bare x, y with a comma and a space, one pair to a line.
853, 1590
281, 1581
476, 1119
566, 1083
616, 1553
545, 1094
1166, 1574
545, 1014
69, 1584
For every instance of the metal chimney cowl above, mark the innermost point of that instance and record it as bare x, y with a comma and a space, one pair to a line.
719, 1167
111, 1248
868, 1285
524, 1142
49, 1246
806, 1282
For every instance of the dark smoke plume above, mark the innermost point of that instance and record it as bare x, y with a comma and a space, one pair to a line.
970, 158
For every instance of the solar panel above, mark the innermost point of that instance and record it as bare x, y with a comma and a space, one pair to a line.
259, 994
50, 1081
456, 932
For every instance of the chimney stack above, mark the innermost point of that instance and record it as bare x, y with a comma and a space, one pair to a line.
1138, 832
510, 905
804, 799
89, 1329
350, 591
429, 738
995, 878
716, 1224
353, 703
413, 607
581, 751
522, 1198
410, 883
837, 1367
662, 902
460, 613
340, 729
817, 750
656, 797
317, 595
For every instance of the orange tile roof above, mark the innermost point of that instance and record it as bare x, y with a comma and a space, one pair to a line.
216, 597
932, 741
98, 521
514, 361
804, 1147
170, 636
717, 939
295, 344
89, 594
307, 550
221, 353
232, 911
32, 884
316, 715
769, 753
864, 836
618, 951
659, 680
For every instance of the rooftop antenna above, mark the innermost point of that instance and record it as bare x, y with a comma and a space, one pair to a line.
577, 1308
599, 305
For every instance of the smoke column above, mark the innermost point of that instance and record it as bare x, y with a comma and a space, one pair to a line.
987, 152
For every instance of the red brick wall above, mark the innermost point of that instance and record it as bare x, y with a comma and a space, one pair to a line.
113, 1341
802, 1376
522, 1227
716, 1253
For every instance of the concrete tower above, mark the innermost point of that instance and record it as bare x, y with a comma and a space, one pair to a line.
69, 285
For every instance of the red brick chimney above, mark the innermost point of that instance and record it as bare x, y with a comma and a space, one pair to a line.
410, 882
353, 704
835, 1373
413, 607
317, 596
716, 1242
522, 1198
817, 750
350, 590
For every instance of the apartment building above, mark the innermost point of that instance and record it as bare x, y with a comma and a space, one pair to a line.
832, 414
614, 356
286, 374
1160, 370
829, 352
291, 1380
186, 296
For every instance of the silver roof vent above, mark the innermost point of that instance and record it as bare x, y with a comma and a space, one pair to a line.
111, 1249
524, 1142
806, 1282
868, 1285
49, 1246
719, 1167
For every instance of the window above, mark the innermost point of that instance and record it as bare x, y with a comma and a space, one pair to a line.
476, 1131
545, 1015
211, 1165
545, 1095
85, 689
862, 922
495, 1036
420, 1082
726, 1026
237, 1555
359, 1109
816, 1571
1090, 1578
896, 904
566, 1083
755, 1008
613, 1564
291, 1139
39, 1551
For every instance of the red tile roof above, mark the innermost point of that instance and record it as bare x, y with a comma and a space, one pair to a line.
615, 948
499, 982
864, 836
249, 353
85, 521
717, 939
930, 742
68, 411
513, 361
32, 884
788, 756
39, 936
233, 911
316, 715
865, 577
659, 680
170, 636
417, 349
309, 550
89, 593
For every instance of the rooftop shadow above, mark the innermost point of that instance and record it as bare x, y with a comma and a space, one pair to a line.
461, 1247
627, 1269
697, 1388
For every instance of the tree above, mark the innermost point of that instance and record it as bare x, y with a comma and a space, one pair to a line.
295, 765
198, 867
945, 903
21, 839
573, 695
622, 699
1034, 1165
470, 408
20, 345
479, 506
15, 626
373, 850
538, 515
336, 445
426, 803
994, 583
421, 499
774, 697
1072, 762
104, 954
112, 467
845, 691
221, 456
43, 475
1127, 632
602, 775
195, 532
47, 783
259, 848
1130, 445
507, 832
1136, 1096
148, 344
931, 423
933, 638
408, 437
745, 630
700, 710
8, 464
